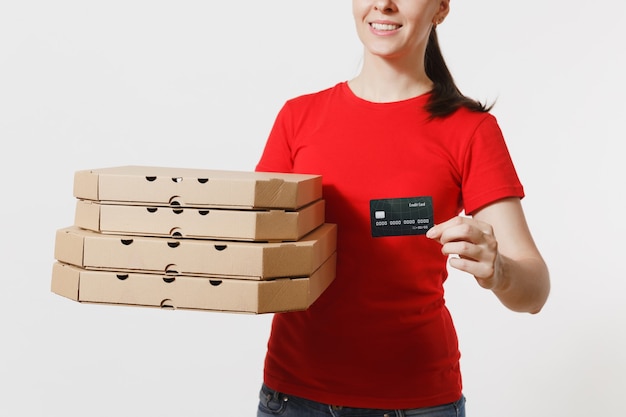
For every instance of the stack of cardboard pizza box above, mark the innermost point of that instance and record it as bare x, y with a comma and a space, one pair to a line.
197, 239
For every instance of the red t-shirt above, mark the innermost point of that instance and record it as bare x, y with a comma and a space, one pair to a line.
381, 336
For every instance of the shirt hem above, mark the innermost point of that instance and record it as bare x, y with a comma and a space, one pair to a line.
368, 402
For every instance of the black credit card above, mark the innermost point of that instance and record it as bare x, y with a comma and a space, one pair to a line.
401, 216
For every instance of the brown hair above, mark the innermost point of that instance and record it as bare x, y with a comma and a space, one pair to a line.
446, 96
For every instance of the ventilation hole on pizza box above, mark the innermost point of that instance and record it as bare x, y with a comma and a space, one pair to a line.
173, 244
203, 180
167, 304
177, 210
176, 233
127, 242
151, 209
220, 247
122, 277
150, 179
171, 269
177, 179
215, 282
203, 212
175, 201
169, 280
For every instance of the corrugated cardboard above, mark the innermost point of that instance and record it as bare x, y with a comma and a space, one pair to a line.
197, 187
245, 260
254, 225
197, 293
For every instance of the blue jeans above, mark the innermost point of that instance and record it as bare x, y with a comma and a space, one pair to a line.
274, 403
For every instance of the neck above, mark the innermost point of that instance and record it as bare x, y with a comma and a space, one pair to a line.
386, 80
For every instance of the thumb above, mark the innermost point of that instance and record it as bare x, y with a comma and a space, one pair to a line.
434, 233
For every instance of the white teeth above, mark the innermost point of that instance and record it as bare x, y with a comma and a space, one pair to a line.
384, 26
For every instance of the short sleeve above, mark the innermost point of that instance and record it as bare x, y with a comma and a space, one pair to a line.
488, 170
276, 156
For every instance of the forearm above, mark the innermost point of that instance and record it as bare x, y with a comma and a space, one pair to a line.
521, 285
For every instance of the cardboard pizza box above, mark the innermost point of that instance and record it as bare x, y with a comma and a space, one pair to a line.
223, 224
195, 293
187, 187
245, 260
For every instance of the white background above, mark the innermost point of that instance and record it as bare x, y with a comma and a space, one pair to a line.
90, 84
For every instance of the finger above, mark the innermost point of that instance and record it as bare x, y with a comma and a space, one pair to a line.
436, 231
463, 249
464, 231
480, 270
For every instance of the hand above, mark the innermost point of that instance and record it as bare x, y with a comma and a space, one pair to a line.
475, 245
510, 266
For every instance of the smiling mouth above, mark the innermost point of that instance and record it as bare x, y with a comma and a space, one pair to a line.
385, 26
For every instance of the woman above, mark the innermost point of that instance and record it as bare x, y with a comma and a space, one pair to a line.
402, 154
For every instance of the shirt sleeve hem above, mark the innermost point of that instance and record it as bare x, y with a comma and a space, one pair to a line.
483, 200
